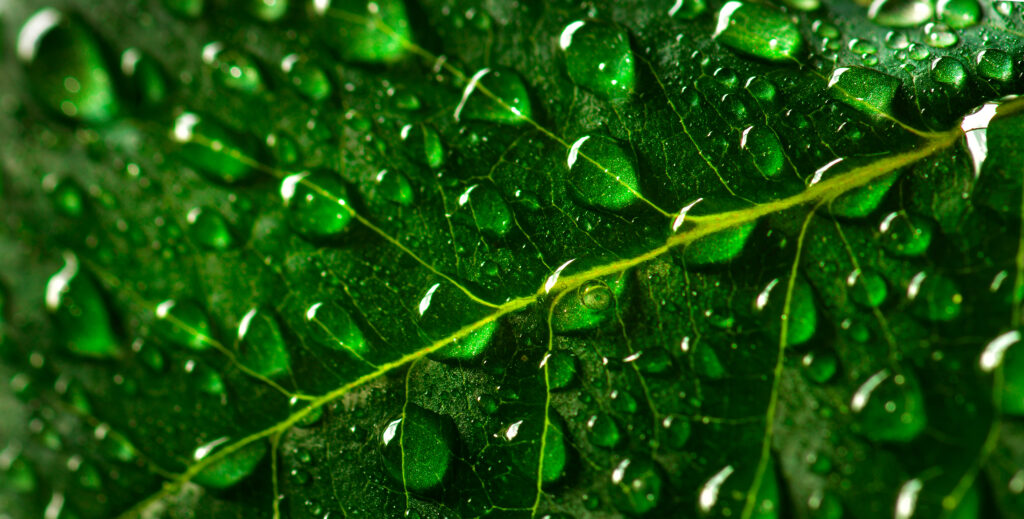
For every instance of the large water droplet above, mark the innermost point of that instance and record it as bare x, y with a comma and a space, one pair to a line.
211, 149
900, 13
394, 187
589, 305
758, 30
316, 203
717, 247
802, 318
934, 297
490, 212
867, 287
508, 102
905, 234
208, 228
374, 31
230, 469
185, 324
940, 36
147, 83
890, 406
65, 65
80, 311
260, 345
233, 68
867, 90
995, 64
444, 310
602, 173
949, 71
1006, 351
418, 448
598, 58
422, 144
603, 431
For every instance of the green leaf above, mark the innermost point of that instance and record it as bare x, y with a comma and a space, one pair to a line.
450, 258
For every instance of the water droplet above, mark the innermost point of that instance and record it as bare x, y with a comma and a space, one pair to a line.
939, 35
185, 8
67, 196
765, 149
861, 46
443, 310
890, 406
761, 88
184, 324
310, 419
233, 467
80, 312
934, 297
602, 431
65, 65
820, 365
422, 144
802, 317
591, 305
267, 10
490, 213
717, 247
897, 40
306, 76
905, 234
677, 431
803, 5
147, 83
949, 71
375, 31
394, 187
995, 64
508, 102
334, 328
209, 229
1006, 351
316, 202
867, 90
233, 68
208, 147
867, 287
688, 9
602, 173
900, 13
636, 486
418, 448
561, 369
919, 52
598, 58
958, 14
759, 31
260, 345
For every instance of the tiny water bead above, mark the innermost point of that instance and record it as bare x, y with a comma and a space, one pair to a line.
901, 13
602, 173
994, 64
80, 312
422, 144
598, 58
317, 203
949, 71
864, 89
306, 77
589, 305
208, 147
260, 346
333, 327
209, 230
184, 324
65, 64
765, 149
890, 406
231, 468
418, 448
444, 309
375, 31
758, 30
958, 14
496, 96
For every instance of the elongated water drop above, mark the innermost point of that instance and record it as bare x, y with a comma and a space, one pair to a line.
940, 36
147, 82
636, 485
261, 347
602, 173
267, 10
905, 234
81, 314
422, 144
497, 96
211, 149
758, 30
66, 67
958, 14
598, 58
717, 247
367, 31
316, 203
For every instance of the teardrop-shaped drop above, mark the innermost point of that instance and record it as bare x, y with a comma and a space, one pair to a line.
598, 58
602, 173
497, 96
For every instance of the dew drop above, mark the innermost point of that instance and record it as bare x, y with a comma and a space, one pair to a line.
232, 68
232, 468
306, 77
418, 448
208, 228
80, 312
602, 431
758, 30
332, 326
185, 324
444, 310
765, 149
949, 71
995, 64
508, 101
598, 58
867, 90
590, 305
900, 13
208, 147
890, 407
422, 144
636, 486
373, 31
260, 346
317, 203
905, 234
958, 14
939, 35
602, 173
394, 187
